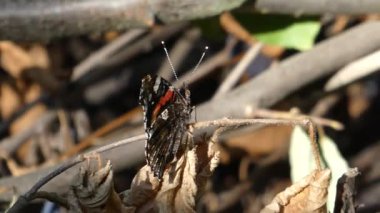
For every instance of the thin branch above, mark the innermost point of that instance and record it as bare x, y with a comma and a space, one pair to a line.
239, 69
111, 126
208, 66
354, 71
105, 52
264, 113
145, 44
234, 123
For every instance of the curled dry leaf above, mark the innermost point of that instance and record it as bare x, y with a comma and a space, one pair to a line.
307, 195
92, 190
181, 186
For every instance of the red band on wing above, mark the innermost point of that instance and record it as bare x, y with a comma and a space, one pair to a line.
163, 100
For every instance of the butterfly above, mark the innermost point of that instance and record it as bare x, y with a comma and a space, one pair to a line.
167, 111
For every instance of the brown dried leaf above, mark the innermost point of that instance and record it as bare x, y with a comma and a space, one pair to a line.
181, 185
14, 59
307, 195
10, 100
40, 56
346, 191
92, 189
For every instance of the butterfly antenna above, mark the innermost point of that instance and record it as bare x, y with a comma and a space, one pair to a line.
170, 62
200, 60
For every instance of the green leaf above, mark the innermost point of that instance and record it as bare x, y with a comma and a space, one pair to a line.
281, 30
302, 161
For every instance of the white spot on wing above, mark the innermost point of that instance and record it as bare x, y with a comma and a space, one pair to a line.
157, 84
165, 114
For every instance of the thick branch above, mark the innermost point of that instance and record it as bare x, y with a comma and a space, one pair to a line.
43, 20
312, 7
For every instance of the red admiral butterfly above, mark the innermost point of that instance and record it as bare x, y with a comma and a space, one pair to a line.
166, 113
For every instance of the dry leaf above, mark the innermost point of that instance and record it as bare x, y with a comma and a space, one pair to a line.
92, 189
300, 148
182, 184
14, 59
40, 56
307, 195
10, 100
346, 191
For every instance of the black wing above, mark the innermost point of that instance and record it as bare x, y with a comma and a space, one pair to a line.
166, 113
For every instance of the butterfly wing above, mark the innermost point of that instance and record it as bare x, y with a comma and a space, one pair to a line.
166, 113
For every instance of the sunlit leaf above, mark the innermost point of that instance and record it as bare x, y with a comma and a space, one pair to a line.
280, 30
302, 161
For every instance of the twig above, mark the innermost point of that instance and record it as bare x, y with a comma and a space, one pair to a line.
208, 66
145, 44
313, 131
226, 122
105, 52
114, 124
240, 68
323, 105
356, 70
264, 113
